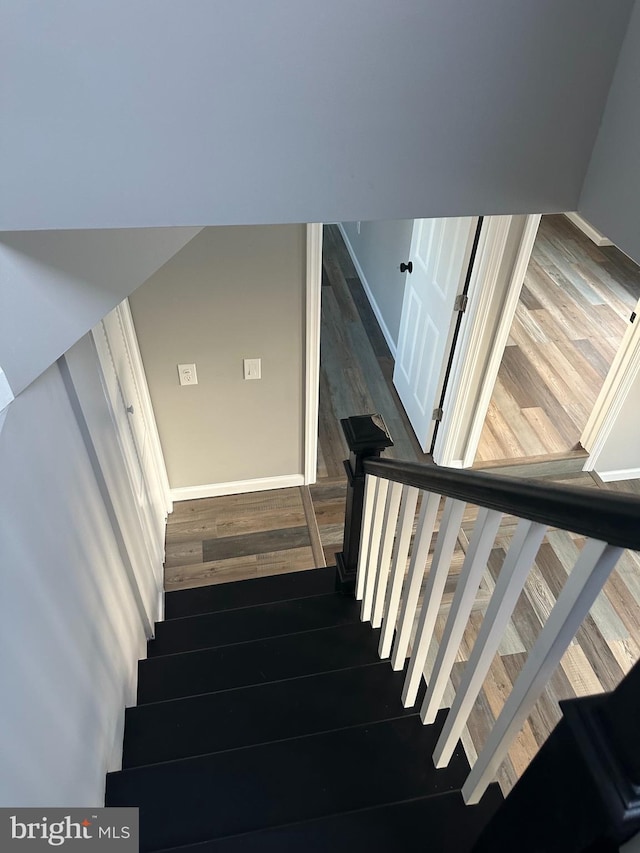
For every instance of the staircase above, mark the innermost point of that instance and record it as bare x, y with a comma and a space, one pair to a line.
266, 721
281, 713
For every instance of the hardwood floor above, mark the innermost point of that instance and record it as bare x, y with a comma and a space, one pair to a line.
573, 310
215, 540
222, 539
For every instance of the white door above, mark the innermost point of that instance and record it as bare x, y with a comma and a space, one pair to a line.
440, 254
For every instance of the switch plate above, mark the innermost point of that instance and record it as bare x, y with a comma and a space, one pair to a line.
187, 374
252, 368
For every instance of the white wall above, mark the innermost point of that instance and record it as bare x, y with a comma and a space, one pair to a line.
232, 293
192, 112
610, 198
379, 249
70, 630
55, 286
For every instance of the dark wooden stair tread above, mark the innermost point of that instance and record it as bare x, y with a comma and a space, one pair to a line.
242, 790
437, 824
248, 716
228, 596
252, 623
256, 662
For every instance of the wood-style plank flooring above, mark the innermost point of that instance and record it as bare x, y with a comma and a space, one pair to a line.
222, 539
574, 307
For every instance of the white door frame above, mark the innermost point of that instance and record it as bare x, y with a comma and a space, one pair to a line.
501, 261
159, 468
618, 383
313, 290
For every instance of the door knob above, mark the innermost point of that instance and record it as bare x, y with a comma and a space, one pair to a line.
406, 267
130, 409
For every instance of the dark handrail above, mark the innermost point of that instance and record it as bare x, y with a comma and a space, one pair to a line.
607, 516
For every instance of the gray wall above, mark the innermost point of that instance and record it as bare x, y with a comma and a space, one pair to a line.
611, 195
190, 112
58, 285
379, 248
232, 293
70, 632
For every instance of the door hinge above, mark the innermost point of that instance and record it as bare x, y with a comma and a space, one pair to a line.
461, 302
437, 415
632, 318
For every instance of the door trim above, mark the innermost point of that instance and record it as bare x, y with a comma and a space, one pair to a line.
613, 394
467, 399
123, 311
313, 290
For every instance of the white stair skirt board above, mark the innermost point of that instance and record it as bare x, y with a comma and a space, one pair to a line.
422, 542
475, 562
588, 576
440, 565
370, 488
372, 301
398, 568
379, 505
237, 487
515, 569
388, 538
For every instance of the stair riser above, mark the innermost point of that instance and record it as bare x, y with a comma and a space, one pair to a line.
252, 623
228, 596
255, 715
440, 824
258, 662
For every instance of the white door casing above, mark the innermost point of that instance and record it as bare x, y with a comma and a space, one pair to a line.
440, 253
130, 403
499, 267
616, 390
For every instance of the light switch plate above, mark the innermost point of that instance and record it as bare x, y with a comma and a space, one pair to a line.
187, 374
253, 368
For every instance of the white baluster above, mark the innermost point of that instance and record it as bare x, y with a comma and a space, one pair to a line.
370, 485
394, 494
517, 563
374, 548
398, 568
445, 545
593, 567
422, 542
482, 539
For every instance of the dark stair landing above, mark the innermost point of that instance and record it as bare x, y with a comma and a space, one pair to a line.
267, 722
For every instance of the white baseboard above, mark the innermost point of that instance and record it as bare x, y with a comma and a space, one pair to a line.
621, 474
374, 305
237, 487
587, 228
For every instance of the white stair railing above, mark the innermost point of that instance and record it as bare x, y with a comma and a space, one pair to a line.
390, 594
